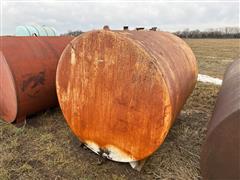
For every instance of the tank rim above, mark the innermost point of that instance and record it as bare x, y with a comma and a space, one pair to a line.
138, 46
11, 75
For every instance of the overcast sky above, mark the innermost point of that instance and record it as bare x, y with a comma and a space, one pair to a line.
171, 16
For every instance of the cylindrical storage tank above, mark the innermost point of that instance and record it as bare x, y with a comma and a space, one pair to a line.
50, 31
32, 31
23, 31
220, 156
40, 29
121, 91
35, 30
28, 71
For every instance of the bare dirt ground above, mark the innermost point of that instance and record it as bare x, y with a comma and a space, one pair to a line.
45, 147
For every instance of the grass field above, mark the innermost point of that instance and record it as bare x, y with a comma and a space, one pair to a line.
45, 148
214, 55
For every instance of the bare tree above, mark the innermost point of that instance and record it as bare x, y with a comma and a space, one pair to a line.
225, 32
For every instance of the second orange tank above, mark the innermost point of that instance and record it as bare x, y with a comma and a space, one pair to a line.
27, 75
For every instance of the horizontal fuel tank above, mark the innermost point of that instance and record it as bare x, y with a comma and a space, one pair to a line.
27, 75
220, 156
120, 91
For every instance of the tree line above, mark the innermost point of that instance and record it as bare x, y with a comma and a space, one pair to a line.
226, 32
72, 33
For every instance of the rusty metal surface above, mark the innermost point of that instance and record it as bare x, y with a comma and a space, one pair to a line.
27, 74
220, 156
121, 91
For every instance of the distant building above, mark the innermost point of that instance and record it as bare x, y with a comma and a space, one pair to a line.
35, 30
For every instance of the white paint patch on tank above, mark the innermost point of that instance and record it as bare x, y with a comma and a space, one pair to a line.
209, 79
118, 155
110, 152
93, 146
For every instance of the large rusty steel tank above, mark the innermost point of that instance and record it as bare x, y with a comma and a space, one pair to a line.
220, 156
120, 91
27, 75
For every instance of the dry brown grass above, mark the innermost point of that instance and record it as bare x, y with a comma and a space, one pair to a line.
214, 55
45, 147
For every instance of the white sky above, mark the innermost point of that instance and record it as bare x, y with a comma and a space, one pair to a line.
76, 15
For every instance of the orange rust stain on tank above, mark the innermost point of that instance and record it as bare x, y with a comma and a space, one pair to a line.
124, 90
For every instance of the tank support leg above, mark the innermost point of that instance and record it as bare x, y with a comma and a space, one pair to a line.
20, 122
137, 165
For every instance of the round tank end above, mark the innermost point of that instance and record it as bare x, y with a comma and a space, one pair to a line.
8, 97
125, 108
